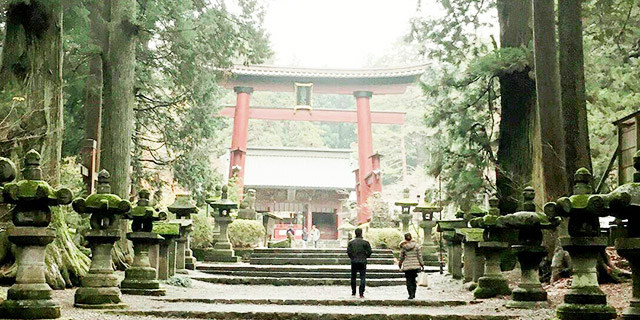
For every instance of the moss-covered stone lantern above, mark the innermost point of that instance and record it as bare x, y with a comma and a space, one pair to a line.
529, 249
473, 261
492, 283
624, 204
585, 299
30, 296
453, 242
183, 207
141, 278
429, 248
100, 288
405, 204
169, 231
222, 250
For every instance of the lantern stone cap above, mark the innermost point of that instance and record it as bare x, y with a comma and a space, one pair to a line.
103, 201
7, 170
142, 206
32, 189
582, 201
181, 222
406, 202
528, 217
224, 203
471, 234
183, 204
451, 225
490, 218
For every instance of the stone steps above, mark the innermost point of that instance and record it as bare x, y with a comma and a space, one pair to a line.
314, 261
306, 274
317, 255
233, 280
313, 250
307, 312
316, 302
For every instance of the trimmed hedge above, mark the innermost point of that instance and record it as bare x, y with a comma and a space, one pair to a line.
246, 233
204, 231
384, 238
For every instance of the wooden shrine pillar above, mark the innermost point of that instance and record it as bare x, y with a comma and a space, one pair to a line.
365, 150
240, 132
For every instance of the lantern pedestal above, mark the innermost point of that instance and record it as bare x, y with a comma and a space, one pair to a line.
585, 300
141, 278
492, 283
629, 248
429, 249
222, 251
529, 293
100, 288
30, 296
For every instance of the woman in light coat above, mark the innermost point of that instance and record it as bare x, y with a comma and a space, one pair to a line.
410, 263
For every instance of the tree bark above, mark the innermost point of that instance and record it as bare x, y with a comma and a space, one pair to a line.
31, 83
93, 84
549, 105
574, 104
518, 98
119, 95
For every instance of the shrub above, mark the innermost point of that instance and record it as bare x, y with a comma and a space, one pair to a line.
384, 238
203, 234
246, 233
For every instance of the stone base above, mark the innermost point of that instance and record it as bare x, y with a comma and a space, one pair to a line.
527, 304
190, 263
470, 285
219, 255
97, 297
569, 311
30, 309
531, 294
491, 287
141, 281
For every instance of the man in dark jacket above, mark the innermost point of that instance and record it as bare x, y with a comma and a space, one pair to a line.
358, 250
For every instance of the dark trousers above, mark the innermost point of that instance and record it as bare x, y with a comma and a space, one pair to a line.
411, 276
355, 269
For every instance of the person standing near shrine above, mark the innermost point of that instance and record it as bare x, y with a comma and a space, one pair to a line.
315, 236
359, 250
410, 262
305, 237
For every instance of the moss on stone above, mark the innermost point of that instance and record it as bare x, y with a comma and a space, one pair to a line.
164, 228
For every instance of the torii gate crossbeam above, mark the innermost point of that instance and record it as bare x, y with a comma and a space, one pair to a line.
320, 115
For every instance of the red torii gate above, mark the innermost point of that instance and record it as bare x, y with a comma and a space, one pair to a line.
361, 83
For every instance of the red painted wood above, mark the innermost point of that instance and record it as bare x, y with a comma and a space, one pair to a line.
365, 150
322, 115
322, 88
239, 137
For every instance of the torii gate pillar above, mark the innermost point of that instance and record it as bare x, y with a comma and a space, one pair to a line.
365, 150
239, 137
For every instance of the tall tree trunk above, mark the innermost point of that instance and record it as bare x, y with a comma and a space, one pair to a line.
518, 98
31, 100
31, 83
93, 84
574, 104
119, 95
118, 76
549, 100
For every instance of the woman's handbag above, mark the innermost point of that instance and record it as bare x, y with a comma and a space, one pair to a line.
422, 279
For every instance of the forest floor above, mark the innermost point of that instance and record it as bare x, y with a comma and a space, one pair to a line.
206, 300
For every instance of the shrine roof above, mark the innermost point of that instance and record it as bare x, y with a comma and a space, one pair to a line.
273, 71
303, 168
338, 81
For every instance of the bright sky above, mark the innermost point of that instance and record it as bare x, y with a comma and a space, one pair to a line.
336, 33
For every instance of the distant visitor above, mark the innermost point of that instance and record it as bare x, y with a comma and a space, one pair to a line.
359, 250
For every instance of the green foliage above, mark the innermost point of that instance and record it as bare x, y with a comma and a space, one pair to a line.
380, 216
384, 238
203, 231
246, 233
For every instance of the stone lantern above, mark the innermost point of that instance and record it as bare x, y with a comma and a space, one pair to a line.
492, 283
183, 207
141, 278
30, 296
429, 249
169, 231
624, 204
222, 250
100, 288
584, 244
473, 260
529, 249
453, 242
405, 215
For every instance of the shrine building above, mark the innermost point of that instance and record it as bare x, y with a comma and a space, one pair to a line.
303, 83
